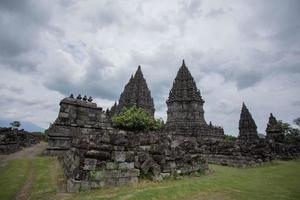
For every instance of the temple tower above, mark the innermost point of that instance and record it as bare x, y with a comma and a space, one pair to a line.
274, 130
247, 126
136, 92
185, 103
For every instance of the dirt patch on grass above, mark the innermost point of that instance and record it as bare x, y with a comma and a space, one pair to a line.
28, 152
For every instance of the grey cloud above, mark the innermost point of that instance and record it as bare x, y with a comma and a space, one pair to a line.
14, 89
6, 100
215, 13
192, 7
275, 21
296, 103
21, 22
96, 82
247, 80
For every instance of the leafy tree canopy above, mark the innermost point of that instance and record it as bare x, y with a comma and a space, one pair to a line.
292, 135
230, 137
15, 124
297, 121
136, 119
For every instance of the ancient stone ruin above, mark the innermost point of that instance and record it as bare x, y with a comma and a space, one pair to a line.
247, 126
274, 130
185, 113
116, 157
136, 93
76, 115
12, 140
96, 155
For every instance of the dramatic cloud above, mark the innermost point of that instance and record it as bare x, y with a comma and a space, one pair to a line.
237, 51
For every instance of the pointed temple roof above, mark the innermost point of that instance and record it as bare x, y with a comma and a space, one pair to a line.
274, 130
246, 120
136, 92
184, 87
247, 126
272, 120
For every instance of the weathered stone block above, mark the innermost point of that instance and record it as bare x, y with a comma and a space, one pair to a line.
122, 156
73, 185
106, 174
112, 165
100, 155
89, 164
126, 165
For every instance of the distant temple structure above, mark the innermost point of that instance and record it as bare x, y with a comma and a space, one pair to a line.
247, 126
136, 93
274, 130
185, 108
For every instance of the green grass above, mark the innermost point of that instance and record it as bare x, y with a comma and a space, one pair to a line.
12, 176
47, 176
278, 180
47, 179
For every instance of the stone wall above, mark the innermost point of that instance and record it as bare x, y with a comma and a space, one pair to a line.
8, 141
105, 158
75, 116
115, 157
12, 140
236, 153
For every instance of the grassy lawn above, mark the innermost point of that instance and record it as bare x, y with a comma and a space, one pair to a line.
48, 177
279, 180
12, 177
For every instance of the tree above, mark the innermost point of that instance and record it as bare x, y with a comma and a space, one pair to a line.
292, 135
230, 137
15, 124
297, 121
136, 119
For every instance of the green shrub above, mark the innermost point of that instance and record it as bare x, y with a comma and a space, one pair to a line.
136, 119
230, 137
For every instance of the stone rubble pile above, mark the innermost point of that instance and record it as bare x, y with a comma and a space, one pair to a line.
12, 140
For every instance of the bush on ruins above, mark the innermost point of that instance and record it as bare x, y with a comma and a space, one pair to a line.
230, 137
136, 119
292, 135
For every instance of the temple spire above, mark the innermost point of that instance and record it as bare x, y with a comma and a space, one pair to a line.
184, 87
183, 63
247, 126
185, 104
274, 130
136, 92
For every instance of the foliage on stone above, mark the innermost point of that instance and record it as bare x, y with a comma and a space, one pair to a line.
136, 119
15, 124
230, 137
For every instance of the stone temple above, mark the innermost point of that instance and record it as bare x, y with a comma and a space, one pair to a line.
136, 93
185, 113
247, 126
96, 155
274, 130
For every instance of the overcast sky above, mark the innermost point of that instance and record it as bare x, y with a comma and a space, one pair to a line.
236, 50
